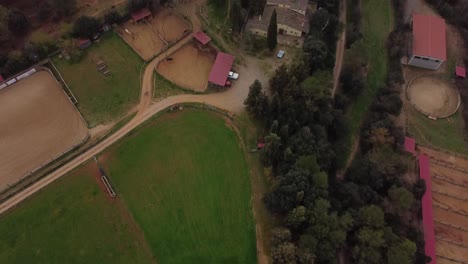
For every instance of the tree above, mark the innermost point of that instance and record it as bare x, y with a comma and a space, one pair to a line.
256, 101
256, 6
401, 252
85, 27
4, 32
135, 5
316, 51
18, 24
402, 200
319, 20
113, 17
236, 17
272, 34
63, 8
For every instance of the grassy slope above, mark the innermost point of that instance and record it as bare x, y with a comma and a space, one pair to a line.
186, 181
69, 222
102, 98
377, 23
441, 133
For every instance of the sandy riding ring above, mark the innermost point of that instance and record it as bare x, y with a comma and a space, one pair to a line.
433, 96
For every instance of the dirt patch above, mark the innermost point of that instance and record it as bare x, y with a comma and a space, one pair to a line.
433, 96
142, 38
37, 123
169, 25
150, 36
189, 67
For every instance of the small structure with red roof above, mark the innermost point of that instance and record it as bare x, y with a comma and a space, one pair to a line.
202, 37
84, 43
410, 145
220, 71
460, 71
141, 14
1, 79
429, 47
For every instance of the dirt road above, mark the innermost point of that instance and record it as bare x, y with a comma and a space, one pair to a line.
340, 47
231, 100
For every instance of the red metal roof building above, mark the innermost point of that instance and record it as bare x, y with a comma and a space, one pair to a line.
427, 215
221, 67
460, 71
429, 48
202, 37
141, 14
410, 145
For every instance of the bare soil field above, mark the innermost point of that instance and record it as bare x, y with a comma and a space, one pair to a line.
189, 67
151, 36
37, 123
433, 96
450, 204
170, 26
142, 38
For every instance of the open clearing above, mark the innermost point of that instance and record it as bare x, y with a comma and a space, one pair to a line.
102, 99
377, 23
149, 37
433, 96
37, 123
190, 67
186, 182
450, 204
181, 198
71, 221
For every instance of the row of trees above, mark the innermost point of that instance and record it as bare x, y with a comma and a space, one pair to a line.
373, 213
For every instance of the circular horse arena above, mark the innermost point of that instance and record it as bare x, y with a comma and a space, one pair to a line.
433, 96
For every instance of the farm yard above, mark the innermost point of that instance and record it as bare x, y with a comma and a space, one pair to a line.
150, 36
181, 198
38, 122
104, 98
189, 67
71, 221
450, 205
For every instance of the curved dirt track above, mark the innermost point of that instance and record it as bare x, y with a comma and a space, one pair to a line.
37, 123
232, 100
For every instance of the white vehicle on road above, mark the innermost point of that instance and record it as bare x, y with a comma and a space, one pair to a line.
233, 75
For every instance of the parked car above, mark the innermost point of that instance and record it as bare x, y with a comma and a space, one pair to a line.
280, 54
233, 75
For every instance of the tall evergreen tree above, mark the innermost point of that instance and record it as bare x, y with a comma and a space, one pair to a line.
272, 35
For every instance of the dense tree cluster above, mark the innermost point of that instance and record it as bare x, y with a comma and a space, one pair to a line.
272, 34
371, 214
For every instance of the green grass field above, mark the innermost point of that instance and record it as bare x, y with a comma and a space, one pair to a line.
377, 23
182, 177
446, 133
186, 181
101, 98
71, 221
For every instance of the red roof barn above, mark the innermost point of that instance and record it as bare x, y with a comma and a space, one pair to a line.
140, 14
429, 48
427, 214
221, 67
202, 37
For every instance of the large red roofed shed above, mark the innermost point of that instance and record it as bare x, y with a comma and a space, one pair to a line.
202, 37
429, 38
427, 214
140, 14
221, 67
